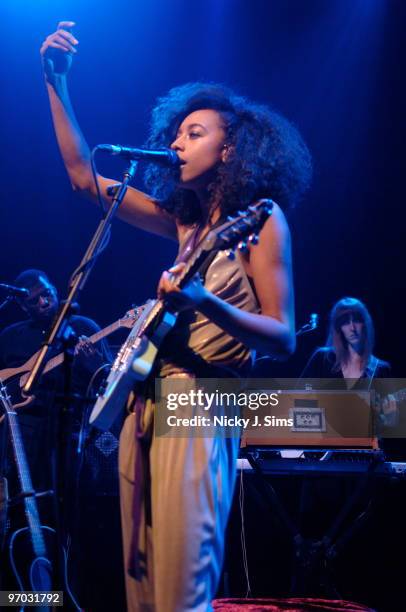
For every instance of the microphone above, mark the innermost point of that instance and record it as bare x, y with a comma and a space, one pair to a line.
310, 326
164, 157
14, 291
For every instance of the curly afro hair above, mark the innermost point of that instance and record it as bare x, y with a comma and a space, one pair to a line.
267, 156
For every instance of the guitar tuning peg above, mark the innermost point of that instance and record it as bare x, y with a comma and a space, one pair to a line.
241, 213
230, 254
253, 239
242, 246
230, 218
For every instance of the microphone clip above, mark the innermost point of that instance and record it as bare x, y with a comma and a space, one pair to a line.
112, 190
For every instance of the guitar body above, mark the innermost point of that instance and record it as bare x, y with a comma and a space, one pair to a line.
34, 573
133, 363
31, 573
17, 377
14, 373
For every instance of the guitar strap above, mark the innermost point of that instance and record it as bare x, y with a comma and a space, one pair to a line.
210, 258
202, 271
191, 244
188, 247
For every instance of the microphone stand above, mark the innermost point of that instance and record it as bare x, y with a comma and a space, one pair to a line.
307, 327
267, 360
4, 303
60, 334
56, 333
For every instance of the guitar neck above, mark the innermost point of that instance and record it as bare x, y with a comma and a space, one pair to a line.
58, 359
24, 476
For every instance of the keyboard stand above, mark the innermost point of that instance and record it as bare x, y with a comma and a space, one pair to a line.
313, 558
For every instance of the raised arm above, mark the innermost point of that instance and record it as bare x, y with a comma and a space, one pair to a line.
138, 208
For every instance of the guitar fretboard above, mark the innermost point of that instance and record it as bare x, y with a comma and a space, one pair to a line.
58, 359
24, 477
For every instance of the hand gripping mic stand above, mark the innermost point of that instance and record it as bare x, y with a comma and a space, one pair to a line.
61, 334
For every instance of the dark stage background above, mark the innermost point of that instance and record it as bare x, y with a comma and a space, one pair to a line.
334, 67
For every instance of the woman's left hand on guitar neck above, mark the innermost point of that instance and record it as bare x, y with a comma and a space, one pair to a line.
192, 295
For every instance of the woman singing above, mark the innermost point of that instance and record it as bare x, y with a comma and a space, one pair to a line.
176, 492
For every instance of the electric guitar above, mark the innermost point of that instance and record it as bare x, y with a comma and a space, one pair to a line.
35, 572
136, 357
10, 374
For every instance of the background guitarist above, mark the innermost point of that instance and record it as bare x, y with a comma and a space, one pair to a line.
18, 343
21, 340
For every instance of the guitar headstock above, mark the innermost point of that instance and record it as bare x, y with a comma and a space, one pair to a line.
241, 230
132, 315
4, 396
129, 318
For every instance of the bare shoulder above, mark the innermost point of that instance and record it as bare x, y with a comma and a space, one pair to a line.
269, 264
276, 227
274, 239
